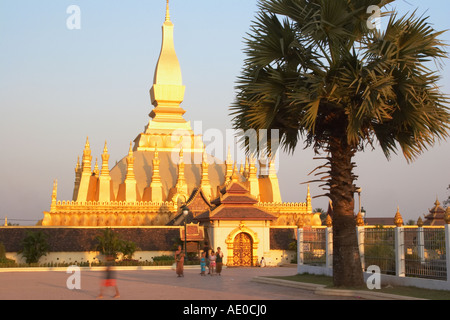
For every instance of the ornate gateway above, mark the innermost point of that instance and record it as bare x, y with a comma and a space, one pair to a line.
242, 250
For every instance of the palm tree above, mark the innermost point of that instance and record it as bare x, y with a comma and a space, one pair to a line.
316, 72
34, 246
109, 243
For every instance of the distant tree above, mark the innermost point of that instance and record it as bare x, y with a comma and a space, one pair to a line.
34, 246
108, 243
447, 202
128, 249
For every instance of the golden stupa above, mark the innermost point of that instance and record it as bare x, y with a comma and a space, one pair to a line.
164, 168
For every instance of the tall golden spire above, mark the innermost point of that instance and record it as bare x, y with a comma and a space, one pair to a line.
166, 95
167, 92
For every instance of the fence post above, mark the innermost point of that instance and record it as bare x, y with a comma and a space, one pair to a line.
399, 246
300, 259
360, 231
420, 241
329, 247
447, 241
360, 235
329, 243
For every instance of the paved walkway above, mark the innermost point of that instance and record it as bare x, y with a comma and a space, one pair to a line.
233, 284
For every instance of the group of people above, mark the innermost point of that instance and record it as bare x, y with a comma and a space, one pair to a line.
211, 260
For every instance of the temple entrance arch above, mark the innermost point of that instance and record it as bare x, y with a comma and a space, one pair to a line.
242, 250
242, 244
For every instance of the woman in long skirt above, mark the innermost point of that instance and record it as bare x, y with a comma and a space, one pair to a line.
219, 261
179, 258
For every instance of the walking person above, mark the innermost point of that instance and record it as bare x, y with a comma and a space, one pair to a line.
212, 263
110, 278
203, 264
219, 261
206, 250
179, 259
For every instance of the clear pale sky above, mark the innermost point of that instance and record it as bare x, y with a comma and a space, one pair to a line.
58, 86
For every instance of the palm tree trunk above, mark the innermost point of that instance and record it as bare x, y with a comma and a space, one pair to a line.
347, 269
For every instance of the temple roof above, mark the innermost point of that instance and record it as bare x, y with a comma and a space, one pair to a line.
436, 215
236, 203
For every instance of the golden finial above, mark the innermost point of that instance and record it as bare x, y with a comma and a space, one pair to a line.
329, 221
205, 156
96, 171
420, 222
77, 167
130, 151
359, 220
105, 149
437, 203
167, 11
234, 176
181, 155
300, 223
398, 220
229, 158
156, 151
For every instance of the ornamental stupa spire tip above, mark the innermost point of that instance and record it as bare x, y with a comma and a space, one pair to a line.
167, 11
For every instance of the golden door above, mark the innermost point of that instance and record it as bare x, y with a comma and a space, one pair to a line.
242, 250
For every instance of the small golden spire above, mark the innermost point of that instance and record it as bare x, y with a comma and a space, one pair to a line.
181, 160
398, 220
234, 176
55, 188
78, 164
167, 11
54, 194
420, 222
96, 171
329, 221
156, 151
437, 203
359, 220
300, 223
130, 151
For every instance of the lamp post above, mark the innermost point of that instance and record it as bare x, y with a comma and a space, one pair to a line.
359, 198
185, 212
363, 213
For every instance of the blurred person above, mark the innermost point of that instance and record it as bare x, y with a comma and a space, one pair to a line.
110, 278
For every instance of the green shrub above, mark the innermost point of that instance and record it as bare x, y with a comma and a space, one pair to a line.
34, 246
